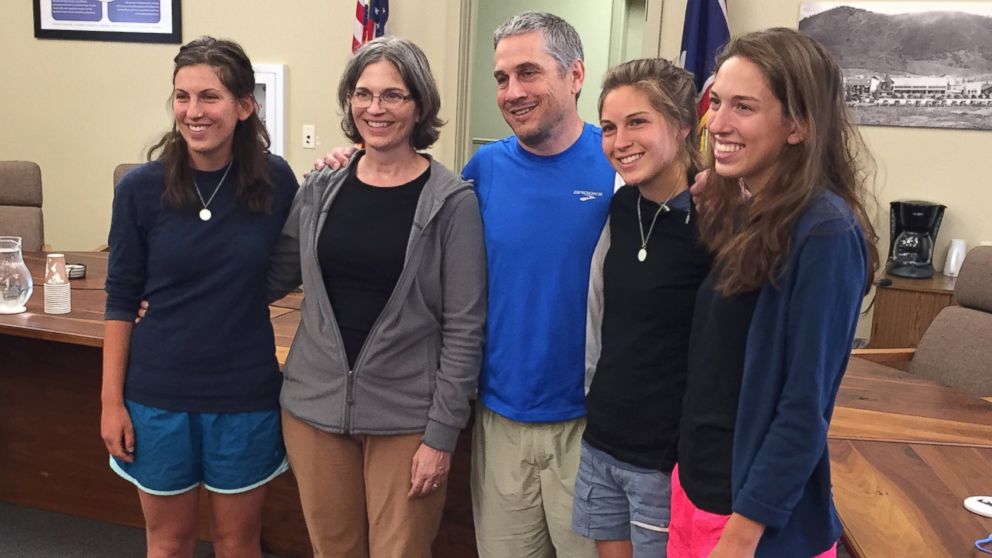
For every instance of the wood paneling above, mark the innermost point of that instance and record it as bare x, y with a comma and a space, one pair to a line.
54, 459
904, 310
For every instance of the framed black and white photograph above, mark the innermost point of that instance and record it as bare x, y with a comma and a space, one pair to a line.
916, 64
269, 92
135, 21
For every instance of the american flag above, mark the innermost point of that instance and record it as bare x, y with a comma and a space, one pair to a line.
370, 21
704, 32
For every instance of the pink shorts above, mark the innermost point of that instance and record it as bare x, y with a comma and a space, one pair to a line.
693, 533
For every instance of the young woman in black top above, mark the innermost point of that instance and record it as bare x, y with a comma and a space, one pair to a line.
646, 270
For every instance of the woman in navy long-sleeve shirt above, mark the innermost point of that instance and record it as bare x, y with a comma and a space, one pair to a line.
190, 395
775, 319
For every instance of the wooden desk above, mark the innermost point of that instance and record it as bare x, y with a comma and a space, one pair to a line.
52, 455
905, 500
876, 402
291, 301
905, 452
904, 309
84, 325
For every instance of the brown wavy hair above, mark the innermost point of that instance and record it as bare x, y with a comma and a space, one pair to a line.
670, 90
250, 171
751, 240
413, 67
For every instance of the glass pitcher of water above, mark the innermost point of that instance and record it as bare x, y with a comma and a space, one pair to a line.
15, 279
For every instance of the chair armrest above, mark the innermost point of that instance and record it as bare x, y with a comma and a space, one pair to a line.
884, 356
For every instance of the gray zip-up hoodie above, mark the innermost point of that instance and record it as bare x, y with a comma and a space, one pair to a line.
420, 363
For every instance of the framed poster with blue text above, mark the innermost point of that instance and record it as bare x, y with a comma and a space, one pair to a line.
135, 21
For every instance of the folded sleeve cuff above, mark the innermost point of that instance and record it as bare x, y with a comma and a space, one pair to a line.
117, 314
441, 436
769, 516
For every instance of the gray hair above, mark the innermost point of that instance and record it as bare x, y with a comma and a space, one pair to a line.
560, 38
413, 67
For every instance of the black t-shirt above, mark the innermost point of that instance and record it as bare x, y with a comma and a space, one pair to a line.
361, 251
716, 368
635, 400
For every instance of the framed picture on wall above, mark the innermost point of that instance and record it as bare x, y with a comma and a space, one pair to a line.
269, 92
914, 64
135, 21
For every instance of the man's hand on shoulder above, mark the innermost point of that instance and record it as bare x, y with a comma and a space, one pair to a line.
335, 159
699, 187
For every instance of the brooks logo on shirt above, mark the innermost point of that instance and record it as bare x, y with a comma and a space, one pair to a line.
586, 195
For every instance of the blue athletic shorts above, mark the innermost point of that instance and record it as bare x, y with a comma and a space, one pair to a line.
619, 501
228, 452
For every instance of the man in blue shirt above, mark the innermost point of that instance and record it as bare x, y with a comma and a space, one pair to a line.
544, 194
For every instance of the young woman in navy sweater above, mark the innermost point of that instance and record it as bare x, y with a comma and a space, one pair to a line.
190, 395
784, 213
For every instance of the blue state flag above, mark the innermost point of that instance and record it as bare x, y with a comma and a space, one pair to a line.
704, 32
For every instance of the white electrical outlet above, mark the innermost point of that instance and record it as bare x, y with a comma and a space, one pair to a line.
309, 136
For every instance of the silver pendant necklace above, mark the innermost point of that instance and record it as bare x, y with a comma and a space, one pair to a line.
205, 214
642, 254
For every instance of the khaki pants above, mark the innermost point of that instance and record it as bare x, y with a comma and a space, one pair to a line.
523, 479
354, 493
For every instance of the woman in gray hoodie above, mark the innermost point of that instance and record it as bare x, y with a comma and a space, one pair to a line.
390, 252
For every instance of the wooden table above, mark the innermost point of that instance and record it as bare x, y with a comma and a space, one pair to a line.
905, 452
884, 404
51, 454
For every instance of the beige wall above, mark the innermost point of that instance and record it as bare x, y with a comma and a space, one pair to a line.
78, 108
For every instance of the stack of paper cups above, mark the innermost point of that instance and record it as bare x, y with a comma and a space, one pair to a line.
57, 290
57, 299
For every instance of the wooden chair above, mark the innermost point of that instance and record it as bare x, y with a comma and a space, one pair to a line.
956, 349
20, 203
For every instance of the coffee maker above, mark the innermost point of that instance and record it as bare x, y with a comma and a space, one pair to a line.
913, 227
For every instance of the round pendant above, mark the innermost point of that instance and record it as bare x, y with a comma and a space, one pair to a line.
642, 255
205, 214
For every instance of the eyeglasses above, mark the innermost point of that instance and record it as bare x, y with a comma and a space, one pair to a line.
390, 98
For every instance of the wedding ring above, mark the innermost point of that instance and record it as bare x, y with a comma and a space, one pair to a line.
435, 485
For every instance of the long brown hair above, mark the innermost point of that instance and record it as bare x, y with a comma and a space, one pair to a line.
251, 141
752, 239
670, 90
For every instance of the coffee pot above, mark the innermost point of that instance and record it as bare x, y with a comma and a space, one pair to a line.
913, 227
